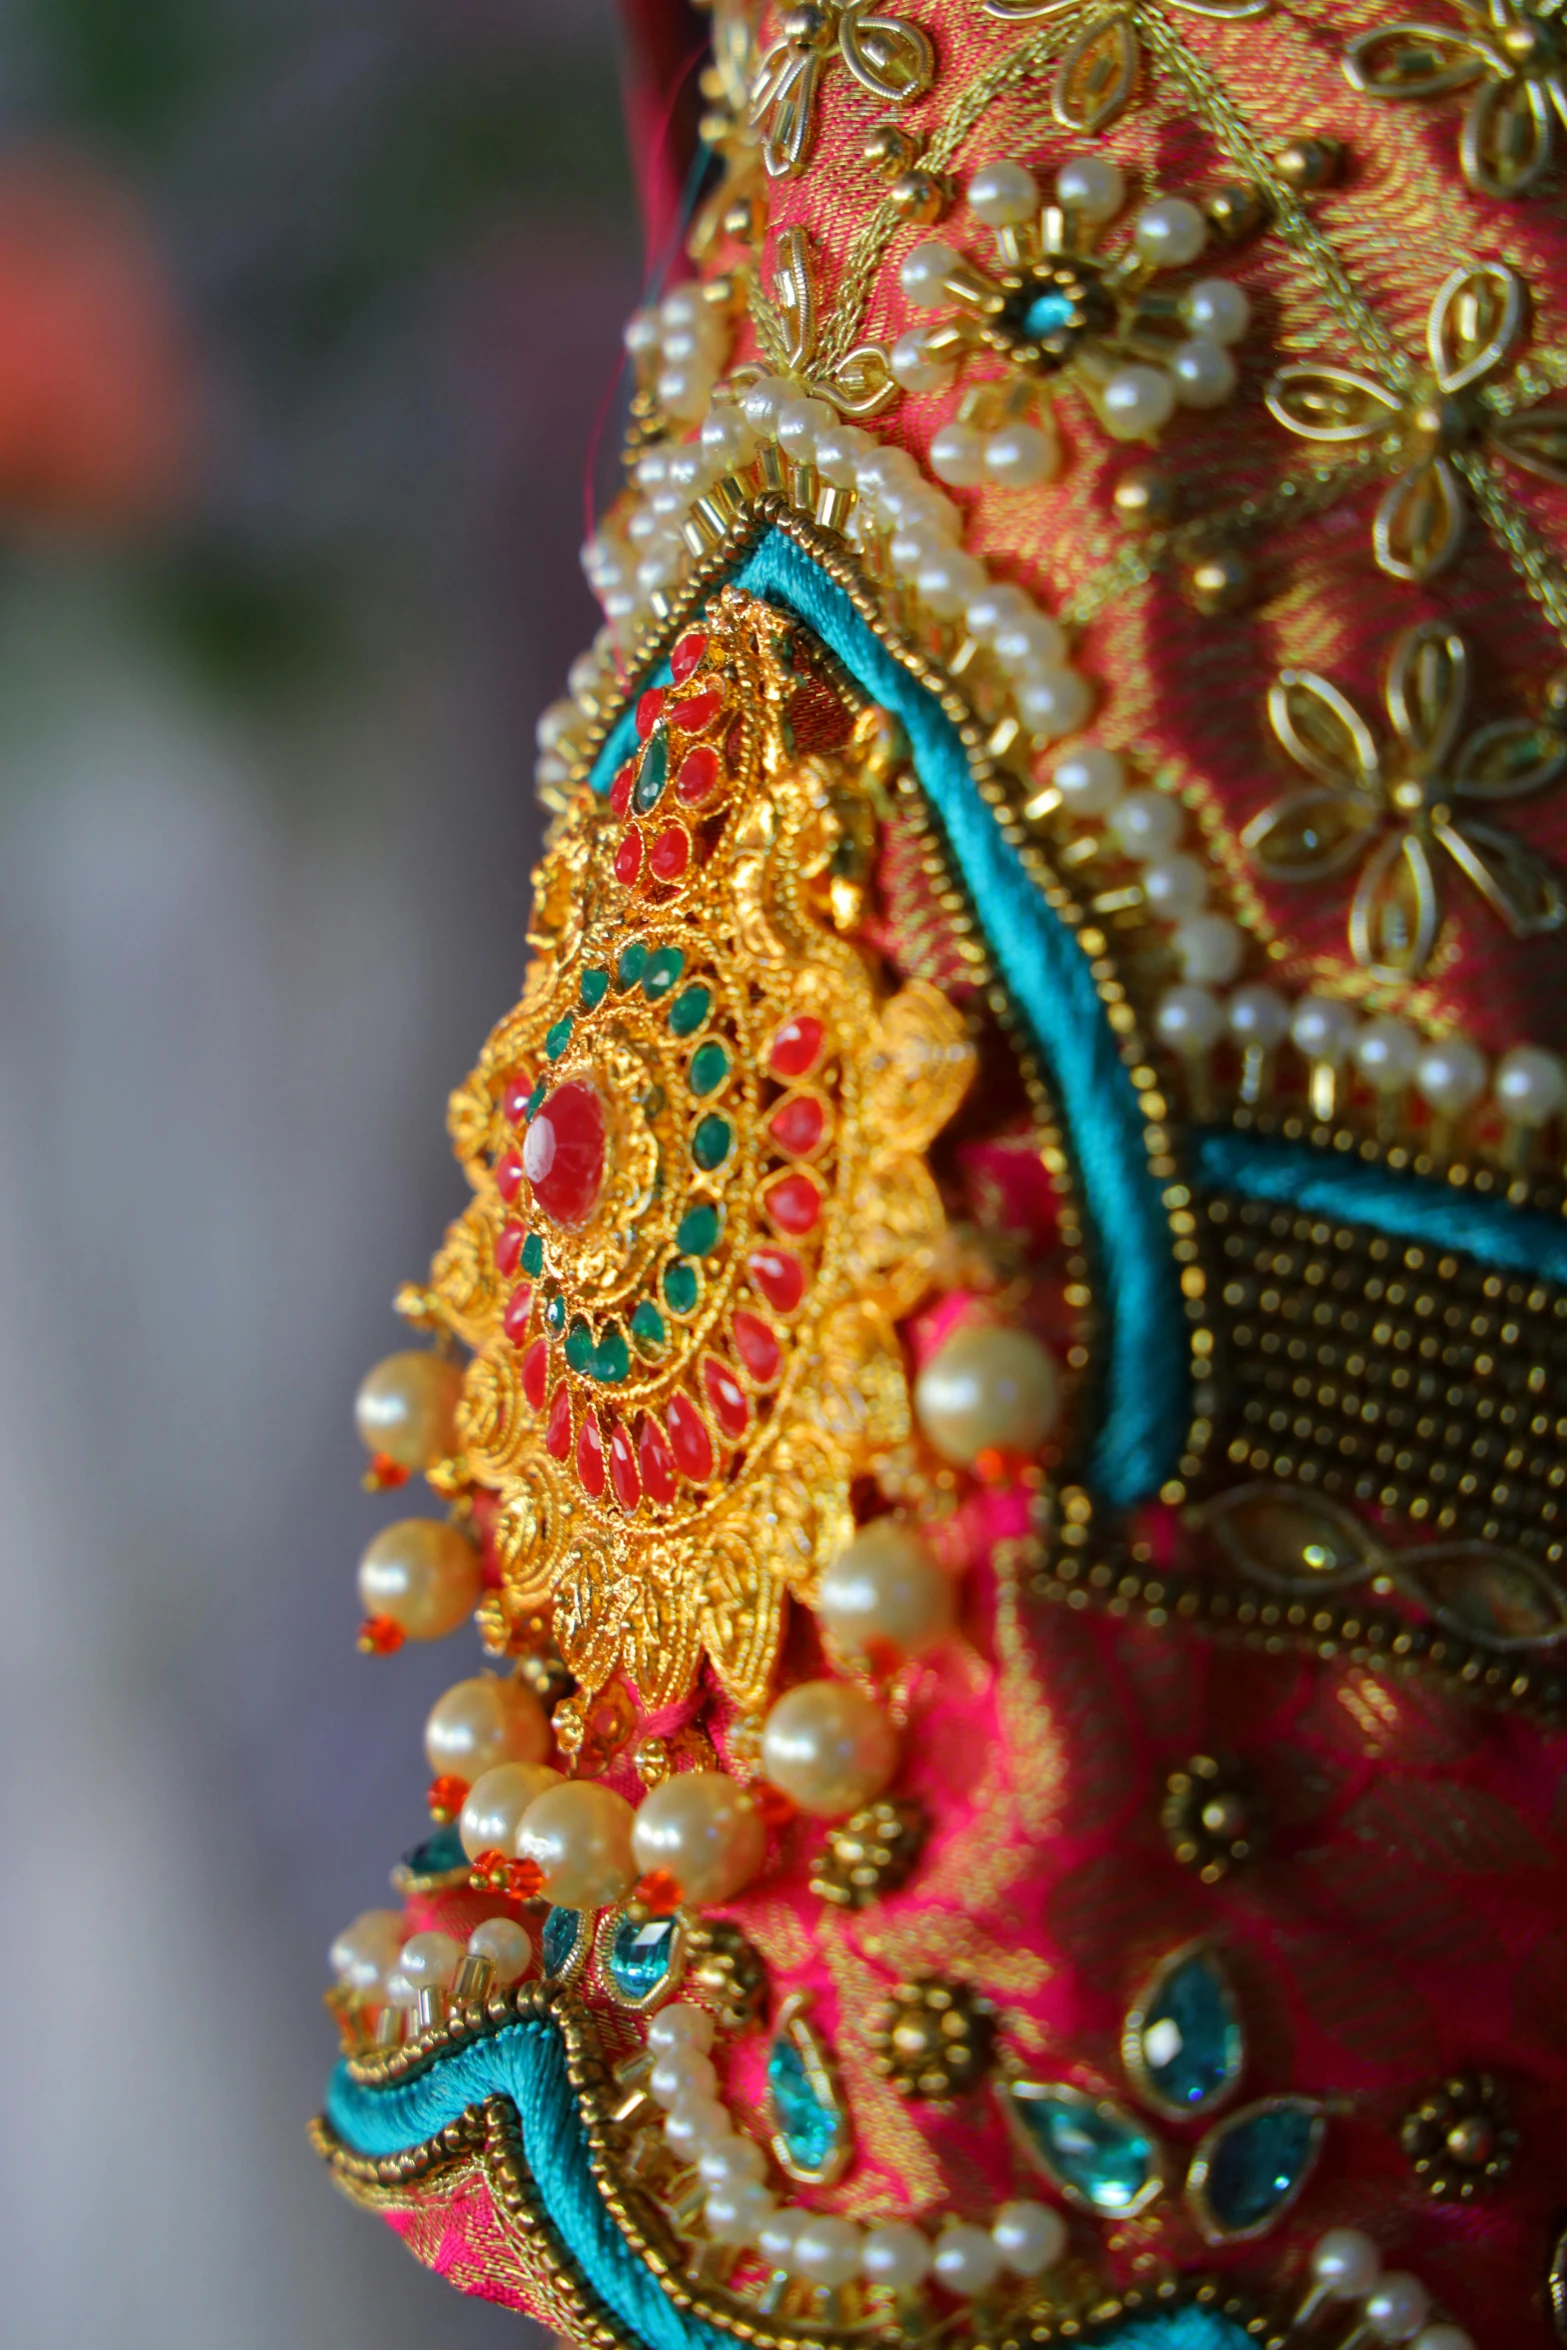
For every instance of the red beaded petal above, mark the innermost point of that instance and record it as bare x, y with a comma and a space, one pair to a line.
623, 1469
563, 1157
698, 712
794, 1204
689, 1441
670, 854
536, 1372
648, 707
686, 658
727, 1397
620, 790
508, 1249
657, 1464
779, 1275
518, 1307
697, 776
757, 1348
557, 1429
590, 1454
514, 1101
797, 1126
797, 1047
508, 1174
628, 857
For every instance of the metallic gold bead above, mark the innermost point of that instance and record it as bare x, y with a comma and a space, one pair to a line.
745, 220
1459, 2137
1144, 497
1306, 164
1235, 212
889, 149
921, 196
1220, 583
935, 2038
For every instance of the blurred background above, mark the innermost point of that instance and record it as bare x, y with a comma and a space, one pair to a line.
307, 310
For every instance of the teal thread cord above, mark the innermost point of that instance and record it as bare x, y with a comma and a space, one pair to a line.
1146, 1396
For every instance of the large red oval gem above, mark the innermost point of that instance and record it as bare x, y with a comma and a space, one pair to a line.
794, 1204
536, 1372
797, 1047
518, 1308
697, 776
727, 1397
779, 1275
590, 1454
689, 1441
797, 1126
623, 1469
557, 1429
686, 658
657, 1464
563, 1157
670, 854
757, 1347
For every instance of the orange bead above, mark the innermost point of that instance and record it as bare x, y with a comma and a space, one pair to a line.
445, 1796
379, 1636
658, 1892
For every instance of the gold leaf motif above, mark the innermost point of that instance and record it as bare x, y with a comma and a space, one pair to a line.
1475, 319
1419, 524
1330, 403
593, 1602
1322, 730
887, 56
920, 1068
1428, 692
1536, 440
1411, 61
1395, 912
1290, 1540
662, 1637
493, 1421
899, 1224
741, 1613
1310, 835
1490, 1594
1097, 74
1515, 882
1509, 759
1508, 138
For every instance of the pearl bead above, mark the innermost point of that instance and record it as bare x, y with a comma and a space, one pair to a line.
895, 2255
925, 271
1530, 1085
1170, 233
1137, 401
1258, 1016
1450, 1074
777, 2235
366, 1951
736, 2214
1090, 780
482, 1722
729, 437
957, 455
764, 402
1210, 949
911, 545
1174, 886
1030, 2237
399, 1991
705, 1830
493, 1807
641, 332
998, 605
679, 2075
965, 2260
799, 422
918, 506
1092, 186
431, 1961
421, 1574
580, 1836
1147, 824
683, 391
1385, 1052
652, 468
1346, 2262
1396, 2307
911, 365
406, 1408
946, 580
885, 1589
839, 450
883, 469
1003, 195
1203, 374
1055, 702
696, 2123
505, 1944
1323, 1028
680, 2026
1216, 309
686, 346
1019, 455
1189, 1020
681, 306
731, 2160
557, 724
988, 1390
826, 2250
829, 1747
1443, 2337
1030, 642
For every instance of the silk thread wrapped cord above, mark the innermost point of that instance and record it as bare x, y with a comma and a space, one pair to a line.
527, 2063
1146, 1397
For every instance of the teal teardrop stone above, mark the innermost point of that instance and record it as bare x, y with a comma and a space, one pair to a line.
697, 1232
1094, 2152
652, 775
632, 964
440, 1851
533, 1255
559, 1938
663, 969
1190, 2043
710, 1145
689, 1009
681, 1288
557, 1038
709, 1067
592, 989
640, 1956
579, 1349
555, 1314
647, 1326
611, 1356
1257, 2163
808, 2127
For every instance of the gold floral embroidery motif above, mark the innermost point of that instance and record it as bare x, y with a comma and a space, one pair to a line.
1513, 63
886, 55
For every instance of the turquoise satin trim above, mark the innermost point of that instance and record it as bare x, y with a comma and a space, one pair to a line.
1145, 1397
526, 2062
1405, 1207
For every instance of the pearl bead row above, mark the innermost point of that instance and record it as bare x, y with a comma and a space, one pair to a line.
1146, 826
680, 348
1391, 2304
377, 1962
815, 2248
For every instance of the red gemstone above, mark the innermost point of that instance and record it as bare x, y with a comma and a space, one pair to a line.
780, 1277
536, 1372
693, 716
623, 1469
670, 854
628, 857
515, 1319
657, 1463
620, 790
514, 1101
590, 1454
797, 1047
757, 1348
797, 1126
698, 774
508, 1249
794, 1204
727, 1397
689, 1441
508, 1174
648, 707
563, 1157
686, 658
557, 1428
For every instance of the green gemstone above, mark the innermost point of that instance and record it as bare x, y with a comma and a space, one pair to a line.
611, 1356
533, 1255
579, 1348
439, 1852
709, 1067
806, 2123
559, 1939
557, 1038
1096, 2154
640, 1956
652, 775
555, 1314
696, 1235
663, 969
712, 1141
682, 1287
632, 964
689, 1009
1189, 2045
647, 1327
593, 988
535, 1101
1254, 2165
